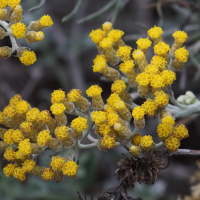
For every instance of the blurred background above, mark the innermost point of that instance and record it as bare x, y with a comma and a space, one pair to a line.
65, 59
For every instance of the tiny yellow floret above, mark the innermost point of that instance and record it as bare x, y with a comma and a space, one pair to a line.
99, 63
9, 111
146, 141
112, 118
164, 130
18, 30
17, 136
181, 55
74, 95
107, 26
13, 3
97, 35
180, 132
19, 174
136, 140
180, 36
57, 108
115, 35
48, 174
70, 169
57, 96
152, 69
161, 48
155, 32
32, 115
150, 107
9, 154
143, 79
46, 21
127, 66
62, 132
172, 144
26, 126
57, 163
124, 53
3, 3
138, 55
118, 86
28, 58
157, 82
168, 120
161, 99
8, 170
138, 113
43, 137
79, 124
28, 165
159, 61
108, 141
22, 107
45, 116
143, 43
15, 100
94, 90
98, 117
113, 98
106, 43
168, 76
8, 136
25, 147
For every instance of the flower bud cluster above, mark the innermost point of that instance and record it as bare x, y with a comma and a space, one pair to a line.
12, 26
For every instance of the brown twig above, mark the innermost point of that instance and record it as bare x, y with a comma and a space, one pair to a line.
186, 152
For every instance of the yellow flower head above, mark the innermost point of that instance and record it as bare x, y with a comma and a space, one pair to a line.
9, 111
3, 3
136, 140
8, 170
155, 32
19, 174
45, 116
99, 63
168, 76
127, 66
110, 109
32, 115
18, 30
161, 48
172, 144
57, 108
164, 130
13, 3
106, 43
22, 107
143, 79
26, 127
118, 86
181, 55
119, 105
157, 82
28, 58
17, 136
20, 155
152, 69
104, 129
161, 99
138, 55
79, 124
97, 35
8, 136
1, 117
10, 154
39, 36
107, 26
57, 96
74, 95
46, 21
143, 43
25, 147
135, 150
98, 117
146, 141
168, 120
180, 132
108, 141
70, 169
94, 90
138, 113
57, 163
48, 174
180, 36
113, 98
15, 100
28, 165
62, 132
159, 61
124, 53
150, 107
43, 137
115, 35
112, 118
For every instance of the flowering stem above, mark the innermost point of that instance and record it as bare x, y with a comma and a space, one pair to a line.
187, 152
159, 145
86, 146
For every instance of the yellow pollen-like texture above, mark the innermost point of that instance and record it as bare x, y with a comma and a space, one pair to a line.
161, 99
79, 124
136, 140
19, 174
180, 132
106, 43
159, 61
143, 43
46, 21
57, 163
43, 137
8, 136
138, 55
17, 136
28, 58
74, 95
112, 118
48, 174
115, 35
168, 77
99, 117
70, 169
3, 3
97, 35
161, 48
10, 154
22, 107
180, 36
44, 116
157, 82
124, 53
168, 120
62, 132
164, 130
100, 63
127, 66
28, 165
57, 96
93, 91
26, 126
155, 32
8, 170
181, 55
32, 115
138, 113
13, 3
150, 107
143, 79
15, 100
113, 98
9, 111
108, 142
57, 108
18, 30
152, 69
172, 144
118, 86
146, 141
25, 147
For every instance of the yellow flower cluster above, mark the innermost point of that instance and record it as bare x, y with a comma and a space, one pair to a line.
136, 140
181, 55
124, 53
43, 137
16, 29
94, 90
70, 169
146, 141
108, 142
79, 124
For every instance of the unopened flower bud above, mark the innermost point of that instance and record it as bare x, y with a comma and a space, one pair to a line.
123, 131
33, 36
16, 14
5, 52
135, 151
2, 33
4, 14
